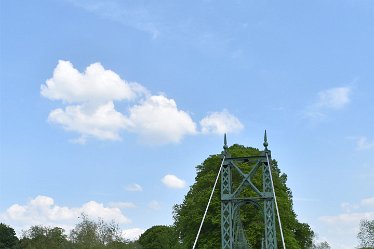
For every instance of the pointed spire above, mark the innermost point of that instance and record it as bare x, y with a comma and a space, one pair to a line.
265, 141
225, 143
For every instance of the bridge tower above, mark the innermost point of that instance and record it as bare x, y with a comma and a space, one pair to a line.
232, 233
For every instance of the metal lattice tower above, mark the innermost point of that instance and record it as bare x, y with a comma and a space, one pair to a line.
232, 233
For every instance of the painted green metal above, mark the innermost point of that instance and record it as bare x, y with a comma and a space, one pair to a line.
232, 232
240, 241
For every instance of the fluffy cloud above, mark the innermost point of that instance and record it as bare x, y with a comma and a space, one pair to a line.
134, 188
90, 98
96, 85
157, 120
102, 121
172, 181
43, 210
220, 123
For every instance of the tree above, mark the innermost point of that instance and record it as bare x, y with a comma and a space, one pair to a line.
42, 237
8, 238
366, 234
159, 237
96, 234
187, 216
124, 245
321, 245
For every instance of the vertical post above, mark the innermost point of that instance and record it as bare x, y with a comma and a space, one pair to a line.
226, 203
269, 215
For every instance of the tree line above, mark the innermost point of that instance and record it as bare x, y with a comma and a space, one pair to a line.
87, 234
91, 234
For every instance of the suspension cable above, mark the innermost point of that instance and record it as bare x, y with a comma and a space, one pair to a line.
275, 200
206, 209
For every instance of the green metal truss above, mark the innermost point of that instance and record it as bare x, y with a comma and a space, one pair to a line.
232, 232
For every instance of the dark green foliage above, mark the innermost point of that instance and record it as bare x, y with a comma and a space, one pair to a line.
366, 234
159, 237
8, 238
40, 237
188, 215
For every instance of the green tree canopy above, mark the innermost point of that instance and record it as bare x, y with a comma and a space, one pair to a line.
188, 215
159, 237
42, 237
8, 238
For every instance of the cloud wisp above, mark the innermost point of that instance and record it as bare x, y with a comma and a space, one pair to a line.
363, 143
332, 99
89, 108
154, 205
134, 17
134, 187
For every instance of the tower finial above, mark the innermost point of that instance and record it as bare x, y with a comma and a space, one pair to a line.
265, 141
225, 143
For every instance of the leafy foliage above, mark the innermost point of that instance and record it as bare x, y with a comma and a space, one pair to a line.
8, 238
188, 215
88, 234
42, 237
96, 235
159, 237
366, 234
321, 245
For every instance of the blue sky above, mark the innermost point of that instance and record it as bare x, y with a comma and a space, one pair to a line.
108, 106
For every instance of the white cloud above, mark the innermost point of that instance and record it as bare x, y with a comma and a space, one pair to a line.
132, 233
134, 188
220, 123
102, 122
172, 181
346, 224
155, 205
157, 120
44, 210
95, 85
89, 108
347, 219
90, 111
334, 98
